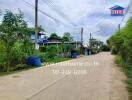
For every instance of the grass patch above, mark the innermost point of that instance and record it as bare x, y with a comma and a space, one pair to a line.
56, 60
129, 82
24, 67
118, 60
15, 71
59, 60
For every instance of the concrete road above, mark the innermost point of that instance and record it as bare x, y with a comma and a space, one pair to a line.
86, 78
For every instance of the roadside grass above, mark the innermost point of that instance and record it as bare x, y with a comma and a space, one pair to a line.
127, 69
15, 71
24, 68
56, 60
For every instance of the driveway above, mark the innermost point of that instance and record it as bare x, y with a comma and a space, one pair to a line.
87, 78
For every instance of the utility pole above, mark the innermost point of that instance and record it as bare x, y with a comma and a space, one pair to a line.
81, 40
82, 35
90, 40
119, 27
36, 26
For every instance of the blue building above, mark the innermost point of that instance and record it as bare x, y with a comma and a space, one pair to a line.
117, 11
40, 37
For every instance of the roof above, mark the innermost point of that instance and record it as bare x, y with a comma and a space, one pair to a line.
55, 42
40, 33
117, 7
74, 42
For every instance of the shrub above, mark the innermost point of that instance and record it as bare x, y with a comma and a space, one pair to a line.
20, 67
52, 51
44, 57
114, 50
105, 48
42, 48
129, 51
94, 50
76, 51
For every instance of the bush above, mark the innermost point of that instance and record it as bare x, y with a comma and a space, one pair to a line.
20, 67
42, 48
118, 60
44, 57
52, 51
121, 42
2, 57
76, 51
129, 51
114, 50
105, 48
94, 50
2, 68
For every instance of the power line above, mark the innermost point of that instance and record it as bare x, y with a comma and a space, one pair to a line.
51, 4
56, 20
126, 12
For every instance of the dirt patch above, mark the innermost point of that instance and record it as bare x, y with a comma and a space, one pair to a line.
118, 91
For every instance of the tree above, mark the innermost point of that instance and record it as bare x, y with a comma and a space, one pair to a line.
12, 29
54, 36
121, 41
40, 29
67, 37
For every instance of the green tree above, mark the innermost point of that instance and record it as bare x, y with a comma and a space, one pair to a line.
121, 42
40, 29
67, 37
54, 36
12, 29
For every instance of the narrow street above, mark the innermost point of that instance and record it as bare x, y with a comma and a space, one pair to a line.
94, 78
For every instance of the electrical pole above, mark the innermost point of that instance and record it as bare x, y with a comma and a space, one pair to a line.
82, 35
81, 40
119, 27
90, 40
36, 25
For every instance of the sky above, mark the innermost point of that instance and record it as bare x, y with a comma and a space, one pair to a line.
71, 15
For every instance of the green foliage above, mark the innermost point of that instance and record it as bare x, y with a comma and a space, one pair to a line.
66, 47
52, 51
42, 48
20, 67
127, 68
75, 50
40, 29
59, 59
54, 36
14, 39
118, 60
121, 42
105, 47
20, 52
44, 56
114, 50
96, 45
94, 50
67, 37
